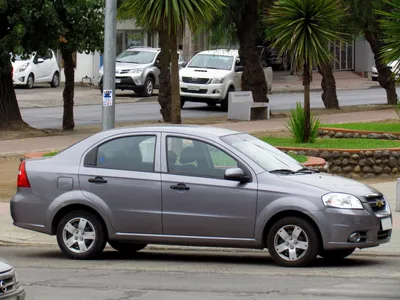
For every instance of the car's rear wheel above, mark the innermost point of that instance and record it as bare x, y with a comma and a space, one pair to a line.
334, 255
126, 247
81, 235
225, 102
374, 78
55, 82
148, 88
30, 81
293, 242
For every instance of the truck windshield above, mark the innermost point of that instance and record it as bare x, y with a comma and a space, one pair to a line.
210, 61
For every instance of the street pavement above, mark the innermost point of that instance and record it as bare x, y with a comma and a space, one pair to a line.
182, 275
42, 107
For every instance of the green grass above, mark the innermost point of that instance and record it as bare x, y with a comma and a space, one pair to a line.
51, 154
394, 127
334, 143
300, 158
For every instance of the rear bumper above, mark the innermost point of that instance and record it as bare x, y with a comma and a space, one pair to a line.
18, 294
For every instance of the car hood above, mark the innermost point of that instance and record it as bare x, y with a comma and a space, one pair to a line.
129, 66
4, 267
19, 63
332, 183
203, 73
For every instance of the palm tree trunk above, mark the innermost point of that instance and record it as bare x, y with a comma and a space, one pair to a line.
164, 95
328, 84
384, 74
253, 78
68, 93
307, 119
10, 115
175, 93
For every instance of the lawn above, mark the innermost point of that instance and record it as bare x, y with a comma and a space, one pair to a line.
334, 143
378, 127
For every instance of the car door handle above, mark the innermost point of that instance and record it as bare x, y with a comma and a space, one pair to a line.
180, 187
97, 179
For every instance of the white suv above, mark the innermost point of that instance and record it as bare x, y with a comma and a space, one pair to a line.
211, 75
36, 69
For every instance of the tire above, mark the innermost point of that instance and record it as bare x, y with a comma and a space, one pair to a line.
83, 248
55, 82
126, 247
334, 255
147, 90
305, 246
225, 102
374, 78
30, 81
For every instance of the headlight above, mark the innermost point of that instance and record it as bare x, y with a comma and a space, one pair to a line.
218, 80
136, 71
339, 200
23, 67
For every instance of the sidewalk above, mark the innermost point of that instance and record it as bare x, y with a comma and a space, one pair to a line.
10, 234
10, 147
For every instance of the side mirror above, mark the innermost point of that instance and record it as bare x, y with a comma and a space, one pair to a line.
239, 69
184, 64
40, 60
236, 174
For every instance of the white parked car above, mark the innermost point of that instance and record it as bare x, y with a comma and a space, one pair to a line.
211, 75
36, 69
391, 66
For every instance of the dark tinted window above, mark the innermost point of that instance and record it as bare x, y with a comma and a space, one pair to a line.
135, 153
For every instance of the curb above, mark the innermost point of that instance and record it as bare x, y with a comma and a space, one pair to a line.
294, 91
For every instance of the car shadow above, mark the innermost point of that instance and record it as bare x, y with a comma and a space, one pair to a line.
206, 257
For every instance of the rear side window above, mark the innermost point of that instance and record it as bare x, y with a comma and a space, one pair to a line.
133, 153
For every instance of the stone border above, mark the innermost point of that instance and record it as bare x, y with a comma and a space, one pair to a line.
340, 133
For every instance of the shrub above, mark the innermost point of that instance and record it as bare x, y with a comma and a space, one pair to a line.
297, 124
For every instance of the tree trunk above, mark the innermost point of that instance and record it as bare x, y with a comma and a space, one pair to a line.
175, 93
68, 93
164, 95
385, 77
328, 84
307, 113
253, 78
10, 115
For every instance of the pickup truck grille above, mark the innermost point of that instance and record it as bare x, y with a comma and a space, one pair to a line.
195, 80
7, 283
377, 203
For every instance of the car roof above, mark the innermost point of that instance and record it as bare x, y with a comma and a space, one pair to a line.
148, 49
178, 129
226, 52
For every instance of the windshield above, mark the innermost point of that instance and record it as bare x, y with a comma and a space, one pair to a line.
22, 58
136, 57
209, 61
266, 156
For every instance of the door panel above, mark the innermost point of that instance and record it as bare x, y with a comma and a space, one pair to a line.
132, 191
197, 200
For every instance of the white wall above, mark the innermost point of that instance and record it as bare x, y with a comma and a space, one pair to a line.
86, 65
364, 57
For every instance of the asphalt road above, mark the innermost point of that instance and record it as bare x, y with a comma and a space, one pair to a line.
46, 275
50, 117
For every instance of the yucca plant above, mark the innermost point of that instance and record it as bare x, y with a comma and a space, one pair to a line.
297, 122
303, 29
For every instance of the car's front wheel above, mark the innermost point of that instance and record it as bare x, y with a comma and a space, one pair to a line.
148, 88
126, 247
334, 255
293, 242
81, 235
30, 81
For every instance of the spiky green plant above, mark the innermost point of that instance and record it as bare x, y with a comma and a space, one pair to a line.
296, 125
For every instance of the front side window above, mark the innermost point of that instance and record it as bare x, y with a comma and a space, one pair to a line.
134, 153
196, 158
210, 61
136, 57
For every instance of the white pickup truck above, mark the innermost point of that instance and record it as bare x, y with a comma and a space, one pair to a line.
211, 75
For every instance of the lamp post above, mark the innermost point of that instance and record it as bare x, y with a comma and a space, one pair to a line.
110, 44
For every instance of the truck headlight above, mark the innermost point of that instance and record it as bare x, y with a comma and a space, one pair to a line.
339, 200
218, 80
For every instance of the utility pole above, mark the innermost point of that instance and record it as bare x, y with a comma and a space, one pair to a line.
110, 44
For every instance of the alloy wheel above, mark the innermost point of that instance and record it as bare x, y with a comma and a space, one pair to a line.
291, 242
79, 235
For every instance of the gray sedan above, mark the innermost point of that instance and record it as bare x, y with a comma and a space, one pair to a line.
195, 186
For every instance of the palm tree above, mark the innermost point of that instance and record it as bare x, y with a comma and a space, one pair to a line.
304, 29
170, 15
391, 34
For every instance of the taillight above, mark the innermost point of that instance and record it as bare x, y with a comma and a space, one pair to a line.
22, 180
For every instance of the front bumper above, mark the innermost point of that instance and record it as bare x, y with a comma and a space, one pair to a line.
203, 91
338, 224
130, 82
20, 78
18, 294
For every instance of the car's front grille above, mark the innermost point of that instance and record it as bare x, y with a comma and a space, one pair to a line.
185, 90
377, 203
195, 80
7, 283
384, 234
